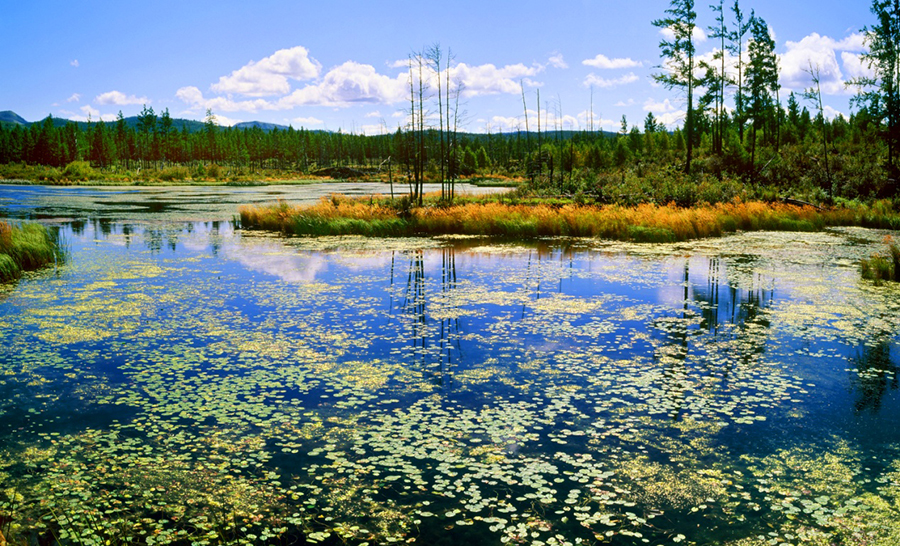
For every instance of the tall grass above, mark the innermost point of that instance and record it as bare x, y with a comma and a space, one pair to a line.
883, 267
338, 215
26, 247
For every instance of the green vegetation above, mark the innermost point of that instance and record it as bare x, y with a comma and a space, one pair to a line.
883, 267
25, 247
506, 216
767, 143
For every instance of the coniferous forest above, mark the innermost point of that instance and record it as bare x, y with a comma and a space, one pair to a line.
741, 137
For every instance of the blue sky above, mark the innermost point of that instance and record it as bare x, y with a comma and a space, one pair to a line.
337, 64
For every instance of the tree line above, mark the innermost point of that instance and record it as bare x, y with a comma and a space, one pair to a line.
738, 123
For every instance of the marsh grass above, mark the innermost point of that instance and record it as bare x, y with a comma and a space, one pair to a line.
499, 216
883, 266
26, 247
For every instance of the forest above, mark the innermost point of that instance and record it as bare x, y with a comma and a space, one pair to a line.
741, 136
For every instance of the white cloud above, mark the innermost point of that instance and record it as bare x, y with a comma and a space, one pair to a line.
195, 100
75, 63
304, 122
118, 98
855, 66
596, 81
698, 33
557, 61
658, 107
375, 114
223, 121
374, 129
820, 52
602, 61
830, 113
621, 103
487, 79
671, 119
74, 98
349, 83
91, 113
269, 76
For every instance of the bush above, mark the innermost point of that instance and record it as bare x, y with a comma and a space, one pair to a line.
174, 173
79, 171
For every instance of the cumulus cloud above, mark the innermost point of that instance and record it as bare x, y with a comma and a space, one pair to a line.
74, 98
671, 119
375, 114
223, 121
658, 107
602, 61
195, 100
488, 79
669, 34
270, 75
557, 61
855, 66
307, 121
819, 52
118, 98
597, 81
91, 113
75, 63
349, 83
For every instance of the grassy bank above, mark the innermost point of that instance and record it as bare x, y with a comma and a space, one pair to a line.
491, 216
883, 266
25, 247
81, 173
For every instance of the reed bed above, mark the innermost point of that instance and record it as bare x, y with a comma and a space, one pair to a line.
25, 247
338, 215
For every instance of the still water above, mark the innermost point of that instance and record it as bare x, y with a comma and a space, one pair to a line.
182, 381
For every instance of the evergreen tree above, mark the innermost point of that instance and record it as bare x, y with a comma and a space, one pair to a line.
762, 78
678, 65
881, 92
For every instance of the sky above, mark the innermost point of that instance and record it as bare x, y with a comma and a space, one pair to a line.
342, 64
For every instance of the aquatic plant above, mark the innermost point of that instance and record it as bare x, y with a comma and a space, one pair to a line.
25, 247
883, 266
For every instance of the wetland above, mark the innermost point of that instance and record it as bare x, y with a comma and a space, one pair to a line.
178, 380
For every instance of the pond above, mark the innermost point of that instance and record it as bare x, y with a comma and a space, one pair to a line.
180, 381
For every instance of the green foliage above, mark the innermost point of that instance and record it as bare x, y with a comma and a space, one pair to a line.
79, 171
26, 247
883, 266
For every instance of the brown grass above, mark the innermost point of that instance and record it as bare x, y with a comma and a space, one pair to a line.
651, 223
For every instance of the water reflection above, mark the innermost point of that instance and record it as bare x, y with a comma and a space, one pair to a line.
431, 317
875, 374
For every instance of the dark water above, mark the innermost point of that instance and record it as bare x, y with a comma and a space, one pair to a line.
202, 383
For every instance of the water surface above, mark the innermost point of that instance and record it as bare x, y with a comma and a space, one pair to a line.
203, 383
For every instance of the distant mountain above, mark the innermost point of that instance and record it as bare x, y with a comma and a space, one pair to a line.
260, 124
8, 116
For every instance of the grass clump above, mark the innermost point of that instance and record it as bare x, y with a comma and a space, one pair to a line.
527, 218
883, 267
25, 247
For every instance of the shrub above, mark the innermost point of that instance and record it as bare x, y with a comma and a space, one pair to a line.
79, 171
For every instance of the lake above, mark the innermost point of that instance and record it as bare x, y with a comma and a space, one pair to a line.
181, 381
